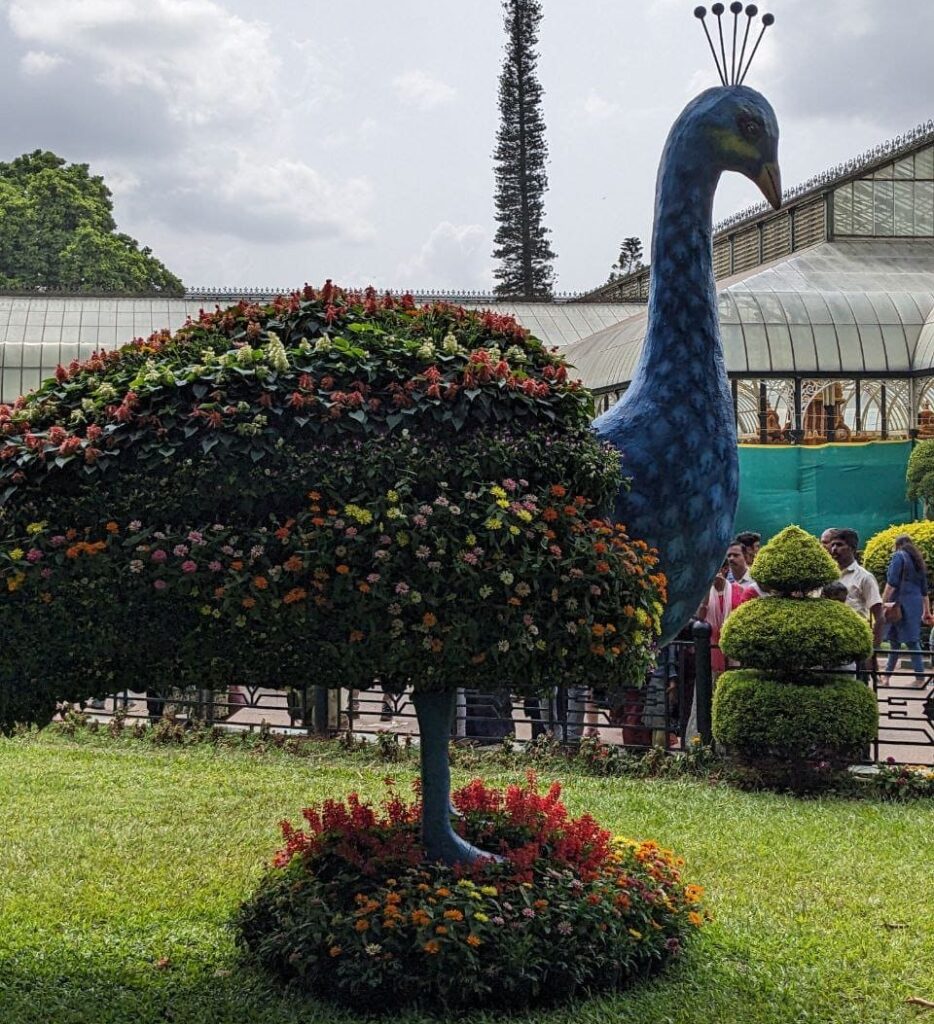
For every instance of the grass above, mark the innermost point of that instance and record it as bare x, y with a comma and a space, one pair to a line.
121, 863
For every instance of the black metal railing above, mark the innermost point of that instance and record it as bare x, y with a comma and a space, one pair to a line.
668, 712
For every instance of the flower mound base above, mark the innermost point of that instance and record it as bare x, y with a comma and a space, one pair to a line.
351, 911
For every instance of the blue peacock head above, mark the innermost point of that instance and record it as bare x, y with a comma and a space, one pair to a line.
734, 127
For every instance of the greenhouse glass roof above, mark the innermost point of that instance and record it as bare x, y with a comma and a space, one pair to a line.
847, 308
39, 332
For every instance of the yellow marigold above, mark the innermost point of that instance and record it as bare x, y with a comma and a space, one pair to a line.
470, 540
515, 531
393, 496
502, 503
473, 940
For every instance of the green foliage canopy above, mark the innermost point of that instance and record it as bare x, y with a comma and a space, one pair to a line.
794, 562
880, 547
57, 231
919, 476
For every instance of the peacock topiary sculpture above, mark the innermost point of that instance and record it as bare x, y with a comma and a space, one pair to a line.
675, 424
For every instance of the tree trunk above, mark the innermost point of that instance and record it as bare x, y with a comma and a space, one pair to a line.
435, 713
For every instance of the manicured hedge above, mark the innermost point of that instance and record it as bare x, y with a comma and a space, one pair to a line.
794, 562
789, 635
879, 548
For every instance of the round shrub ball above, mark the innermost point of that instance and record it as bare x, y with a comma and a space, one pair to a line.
878, 551
794, 635
794, 562
758, 718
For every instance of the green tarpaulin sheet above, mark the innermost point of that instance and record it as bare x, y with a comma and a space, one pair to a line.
861, 486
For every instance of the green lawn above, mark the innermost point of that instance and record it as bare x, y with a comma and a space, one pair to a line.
121, 863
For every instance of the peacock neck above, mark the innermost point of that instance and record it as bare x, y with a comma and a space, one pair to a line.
682, 329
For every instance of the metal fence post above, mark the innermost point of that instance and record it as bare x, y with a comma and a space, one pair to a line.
319, 710
703, 681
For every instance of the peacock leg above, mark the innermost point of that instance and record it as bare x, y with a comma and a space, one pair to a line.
435, 713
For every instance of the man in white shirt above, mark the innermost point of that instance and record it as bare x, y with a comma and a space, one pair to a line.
862, 590
739, 568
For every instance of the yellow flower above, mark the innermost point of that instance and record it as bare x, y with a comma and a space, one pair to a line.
393, 496
493, 524
482, 918
635, 934
515, 531
15, 581
502, 503
489, 890
33, 528
361, 515
402, 538
470, 540
524, 515
498, 492
16, 554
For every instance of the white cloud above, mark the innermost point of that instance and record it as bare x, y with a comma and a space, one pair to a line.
421, 90
597, 109
454, 256
38, 62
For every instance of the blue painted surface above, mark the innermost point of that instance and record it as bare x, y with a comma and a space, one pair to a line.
675, 425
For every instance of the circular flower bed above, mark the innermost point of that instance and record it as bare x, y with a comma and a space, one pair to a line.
351, 911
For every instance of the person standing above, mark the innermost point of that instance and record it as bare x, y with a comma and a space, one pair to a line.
826, 538
906, 604
738, 568
751, 542
862, 591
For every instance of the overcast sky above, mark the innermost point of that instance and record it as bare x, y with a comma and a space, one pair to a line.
272, 143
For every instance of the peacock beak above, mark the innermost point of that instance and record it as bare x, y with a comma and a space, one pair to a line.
770, 184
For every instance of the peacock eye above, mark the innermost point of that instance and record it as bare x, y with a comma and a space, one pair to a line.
750, 129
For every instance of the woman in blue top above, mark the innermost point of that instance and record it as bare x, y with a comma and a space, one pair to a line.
906, 584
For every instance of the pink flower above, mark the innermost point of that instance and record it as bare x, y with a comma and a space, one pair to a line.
46, 573
509, 485
158, 555
189, 566
160, 584
351, 531
34, 555
374, 577
402, 588
215, 566
419, 520
58, 540
180, 550
195, 537
135, 526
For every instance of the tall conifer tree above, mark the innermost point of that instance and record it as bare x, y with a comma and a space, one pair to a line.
525, 256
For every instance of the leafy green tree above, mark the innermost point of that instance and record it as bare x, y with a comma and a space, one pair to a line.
920, 476
57, 231
629, 259
525, 256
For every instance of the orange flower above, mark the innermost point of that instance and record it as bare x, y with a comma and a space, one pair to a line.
219, 592
602, 567
473, 940
540, 904
364, 588
342, 569
431, 947
597, 649
293, 564
295, 594
112, 527
443, 891
314, 496
420, 918
248, 602
437, 645
429, 619
335, 951
317, 521
558, 491
362, 925
550, 515
695, 919
73, 551
453, 915
260, 582
441, 930
597, 629
356, 636
236, 565
599, 548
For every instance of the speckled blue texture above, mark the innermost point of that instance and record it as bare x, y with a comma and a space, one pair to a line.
675, 425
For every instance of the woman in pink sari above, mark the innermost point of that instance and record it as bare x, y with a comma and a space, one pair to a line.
724, 597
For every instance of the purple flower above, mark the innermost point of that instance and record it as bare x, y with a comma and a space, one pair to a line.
672, 945
34, 555
215, 566
58, 540
160, 584
180, 550
528, 912
498, 920
189, 566
46, 573
565, 928
158, 555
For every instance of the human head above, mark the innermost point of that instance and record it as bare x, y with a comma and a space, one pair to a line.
826, 538
843, 547
836, 591
736, 558
750, 541
903, 542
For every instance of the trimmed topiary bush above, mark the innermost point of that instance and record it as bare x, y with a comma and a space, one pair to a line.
780, 713
350, 911
793, 562
794, 635
760, 718
919, 476
878, 551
